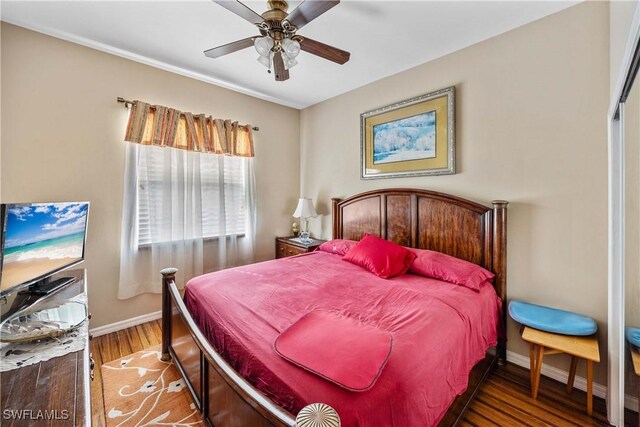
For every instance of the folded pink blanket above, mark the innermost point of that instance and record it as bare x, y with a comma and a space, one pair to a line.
340, 349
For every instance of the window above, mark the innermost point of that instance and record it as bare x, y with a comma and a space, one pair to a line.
208, 192
187, 178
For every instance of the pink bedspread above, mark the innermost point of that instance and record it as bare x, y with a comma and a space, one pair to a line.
439, 330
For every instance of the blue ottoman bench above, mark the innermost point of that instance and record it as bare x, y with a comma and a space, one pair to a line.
552, 331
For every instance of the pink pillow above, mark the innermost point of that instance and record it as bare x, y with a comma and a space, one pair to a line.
383, 258
450, 269
337, 246
340, 349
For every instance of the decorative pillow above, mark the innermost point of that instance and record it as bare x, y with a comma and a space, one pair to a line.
337, 246
340, 349
450, 269
383, 258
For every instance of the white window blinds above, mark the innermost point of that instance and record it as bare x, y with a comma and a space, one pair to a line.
207, 192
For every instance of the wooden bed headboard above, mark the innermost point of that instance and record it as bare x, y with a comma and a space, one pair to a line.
429, 220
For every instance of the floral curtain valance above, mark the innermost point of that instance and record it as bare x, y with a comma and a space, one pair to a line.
168, 127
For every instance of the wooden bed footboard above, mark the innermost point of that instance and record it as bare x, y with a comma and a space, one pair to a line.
224, 398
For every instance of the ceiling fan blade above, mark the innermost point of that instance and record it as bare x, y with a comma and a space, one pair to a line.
309, 10
281, 73
225, 49
241, 10
324, 51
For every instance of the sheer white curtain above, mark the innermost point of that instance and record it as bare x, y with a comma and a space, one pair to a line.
184, 209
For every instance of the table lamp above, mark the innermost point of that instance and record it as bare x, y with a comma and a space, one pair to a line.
304, 210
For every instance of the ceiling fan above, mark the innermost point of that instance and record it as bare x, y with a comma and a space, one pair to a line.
279, 44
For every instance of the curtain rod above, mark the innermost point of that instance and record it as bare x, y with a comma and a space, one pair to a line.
128, 104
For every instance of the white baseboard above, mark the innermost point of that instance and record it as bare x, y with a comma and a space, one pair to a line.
124, 324
580, 383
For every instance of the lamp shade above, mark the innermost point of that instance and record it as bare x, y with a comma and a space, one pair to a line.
305, 209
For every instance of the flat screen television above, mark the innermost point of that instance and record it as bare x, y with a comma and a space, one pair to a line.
39, 240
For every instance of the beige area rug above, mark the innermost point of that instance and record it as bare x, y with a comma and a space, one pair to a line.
142, 390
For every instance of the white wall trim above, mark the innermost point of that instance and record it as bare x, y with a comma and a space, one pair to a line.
124, 324
150, 62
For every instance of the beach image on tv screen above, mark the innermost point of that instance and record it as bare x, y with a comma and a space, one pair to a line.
40, 238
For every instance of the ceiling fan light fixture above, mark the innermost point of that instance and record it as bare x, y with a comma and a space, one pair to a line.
278, 43
263, 45
289, 63
265, 60
291, 48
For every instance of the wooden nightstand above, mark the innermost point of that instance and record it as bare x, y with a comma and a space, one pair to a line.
289, 246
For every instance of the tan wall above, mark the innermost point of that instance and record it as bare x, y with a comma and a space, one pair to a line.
531, 129
62, 133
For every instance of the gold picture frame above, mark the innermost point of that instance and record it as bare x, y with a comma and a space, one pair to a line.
415, 137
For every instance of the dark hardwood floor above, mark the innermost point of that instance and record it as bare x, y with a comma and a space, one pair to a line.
504, 400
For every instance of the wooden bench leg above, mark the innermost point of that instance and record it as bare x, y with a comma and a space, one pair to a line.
532, 365
538, 368
572, 373
589, 387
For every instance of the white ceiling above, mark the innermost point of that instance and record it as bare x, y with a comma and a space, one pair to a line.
384, 37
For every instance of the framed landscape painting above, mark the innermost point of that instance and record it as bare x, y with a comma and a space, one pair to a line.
411, 138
